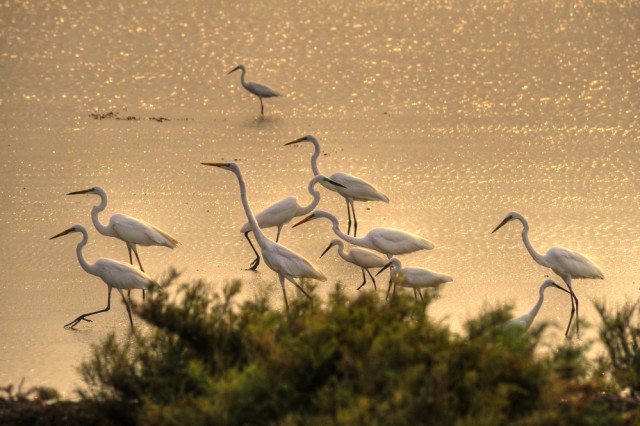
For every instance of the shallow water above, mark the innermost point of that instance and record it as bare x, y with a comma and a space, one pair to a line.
458, 114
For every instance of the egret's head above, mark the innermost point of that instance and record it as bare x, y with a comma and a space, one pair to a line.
551, 283
93, 190
74, 228
239, 67
312, 216
333, 242
307, 138
508, 218
233, 167
393, 263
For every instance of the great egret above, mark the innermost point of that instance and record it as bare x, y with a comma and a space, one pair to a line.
525, 320
355, 189
283, 261
566, 263
412, 277
118, 275
281, 213
257, 89
126, 228
387, 241
363, 258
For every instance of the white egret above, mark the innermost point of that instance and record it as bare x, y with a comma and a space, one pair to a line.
118, 275
126, 228
525, 320
363, 258
283, 261
257, 89
281, 213
566, 263
387, 241
355, 189
412, 277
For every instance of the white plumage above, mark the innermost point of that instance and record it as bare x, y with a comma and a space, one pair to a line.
114, 274
363, 258
261, 91
566, 263
355, 189
413, 277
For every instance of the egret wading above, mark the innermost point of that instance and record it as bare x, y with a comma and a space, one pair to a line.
565, 263
281, 213
526, 320
283, 261
412, 277
354, 189
257, 89
363, 258
132, 231
118, 275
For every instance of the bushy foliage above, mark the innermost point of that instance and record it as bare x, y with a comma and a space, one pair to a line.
210, 360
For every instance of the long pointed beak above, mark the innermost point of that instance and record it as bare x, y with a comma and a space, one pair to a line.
84, 191
505, 220
385, 267
235, 69
306, 219
332, 182
560, 288
62, 233
215, 164
304, 138
326, 250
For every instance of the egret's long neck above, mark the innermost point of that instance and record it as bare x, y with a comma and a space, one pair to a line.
316, 199
525, 238
342, 253
244, 83
257, 232
314, 157
85, 265
536, 308
95, 211
348, 238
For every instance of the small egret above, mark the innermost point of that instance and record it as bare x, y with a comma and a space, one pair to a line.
387, 241
283, 261
525, 320
255, 88
118, 275
126, 228
355, 189
363, 258
281, 213
566, 263
411, 277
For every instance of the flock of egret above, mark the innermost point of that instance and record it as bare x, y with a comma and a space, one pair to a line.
291, 266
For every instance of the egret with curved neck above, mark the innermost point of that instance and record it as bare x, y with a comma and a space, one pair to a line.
413, 277
526, 320
257, 89
118, 275
283, 261
129, 229
567, 264
365, 259
354, 189
281, 213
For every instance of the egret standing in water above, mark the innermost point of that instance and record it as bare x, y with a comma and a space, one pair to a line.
387, 241
412, 277
283, 261
118, 275
566, 263
257, 89
281, 213
354, 189
525, 320
126, 228
363, 258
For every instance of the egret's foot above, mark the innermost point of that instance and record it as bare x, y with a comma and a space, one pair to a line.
75, 322
253, 265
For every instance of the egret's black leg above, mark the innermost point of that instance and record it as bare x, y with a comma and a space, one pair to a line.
261, 106
83, 316
291, 280
256, 261
130, 262
355, 221
348, 216
420, 293
284, 291
278, 234
364, 279
128, 308
135, 251
372, 279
